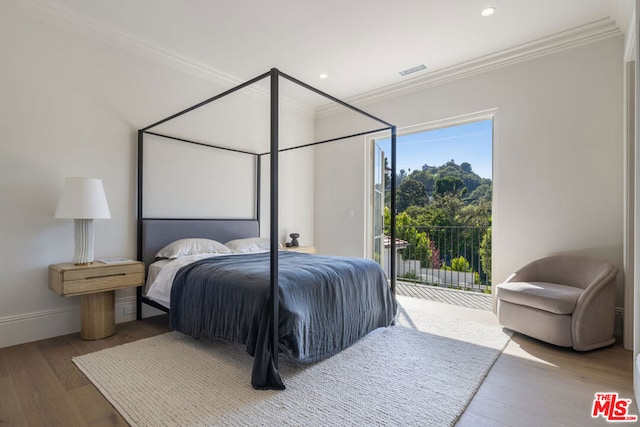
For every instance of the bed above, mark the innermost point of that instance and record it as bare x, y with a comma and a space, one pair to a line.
323, 304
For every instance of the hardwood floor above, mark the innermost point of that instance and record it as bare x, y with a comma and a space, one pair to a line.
40, 386
536, 384
531, 383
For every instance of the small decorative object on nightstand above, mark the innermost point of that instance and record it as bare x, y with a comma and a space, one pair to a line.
95, 283
294, 240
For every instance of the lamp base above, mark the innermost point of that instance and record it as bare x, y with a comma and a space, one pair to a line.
83, 241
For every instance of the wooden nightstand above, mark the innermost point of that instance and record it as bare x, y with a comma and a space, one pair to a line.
304, 249
95, 283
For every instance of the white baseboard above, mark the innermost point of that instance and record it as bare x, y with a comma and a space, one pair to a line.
29, 327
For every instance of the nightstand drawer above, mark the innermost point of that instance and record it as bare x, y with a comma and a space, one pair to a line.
74, 280
104, 283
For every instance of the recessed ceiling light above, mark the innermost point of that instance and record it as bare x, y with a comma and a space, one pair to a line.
488, 11
413, 70
323, 75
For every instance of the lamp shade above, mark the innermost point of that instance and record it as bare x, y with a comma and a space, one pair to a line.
83, 198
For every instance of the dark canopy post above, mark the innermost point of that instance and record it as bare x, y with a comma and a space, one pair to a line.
274, 217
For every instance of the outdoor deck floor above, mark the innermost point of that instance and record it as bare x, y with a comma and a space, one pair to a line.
470, 299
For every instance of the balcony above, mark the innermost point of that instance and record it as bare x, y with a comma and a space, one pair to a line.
477, 300
432, 258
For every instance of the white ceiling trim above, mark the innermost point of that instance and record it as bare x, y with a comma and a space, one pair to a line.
589, 33
127, 42
122, 40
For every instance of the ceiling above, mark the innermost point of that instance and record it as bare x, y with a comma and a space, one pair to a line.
360, 44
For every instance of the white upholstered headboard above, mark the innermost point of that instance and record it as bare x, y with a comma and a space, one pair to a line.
157, 233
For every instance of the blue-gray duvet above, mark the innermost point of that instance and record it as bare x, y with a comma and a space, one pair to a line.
325, 305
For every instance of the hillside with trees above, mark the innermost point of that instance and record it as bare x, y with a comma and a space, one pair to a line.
444, 213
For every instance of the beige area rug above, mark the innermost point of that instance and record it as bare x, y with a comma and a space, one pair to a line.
422, 372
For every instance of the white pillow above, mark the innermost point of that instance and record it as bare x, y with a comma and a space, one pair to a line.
250, 244
193, 246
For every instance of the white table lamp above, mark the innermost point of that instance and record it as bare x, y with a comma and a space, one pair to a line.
83, 200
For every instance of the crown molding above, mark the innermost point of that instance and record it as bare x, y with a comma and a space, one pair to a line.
588, 33
134, 45
119, 38
584, 34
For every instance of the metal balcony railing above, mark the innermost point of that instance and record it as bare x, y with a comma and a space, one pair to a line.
443, 256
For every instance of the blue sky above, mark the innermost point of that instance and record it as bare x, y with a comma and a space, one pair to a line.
470, 142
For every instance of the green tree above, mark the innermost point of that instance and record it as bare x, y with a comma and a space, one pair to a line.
386, 227
466, 167
460, 264
450, 206
476, 215
450, 185
485, 254
426, 178
419, 248
481, 193
410, 193
428, 175
401, 176
425, 216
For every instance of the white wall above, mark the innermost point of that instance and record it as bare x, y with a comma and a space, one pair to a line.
558, 154
342, 184
71, 105
340, 187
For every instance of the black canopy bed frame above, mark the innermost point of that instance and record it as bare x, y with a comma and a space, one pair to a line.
226, 229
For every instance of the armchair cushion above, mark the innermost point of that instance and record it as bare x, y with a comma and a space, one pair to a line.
551, 297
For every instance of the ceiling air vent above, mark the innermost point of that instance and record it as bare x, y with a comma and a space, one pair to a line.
413, 70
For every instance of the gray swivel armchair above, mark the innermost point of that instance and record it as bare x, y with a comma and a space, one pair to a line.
565, 300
